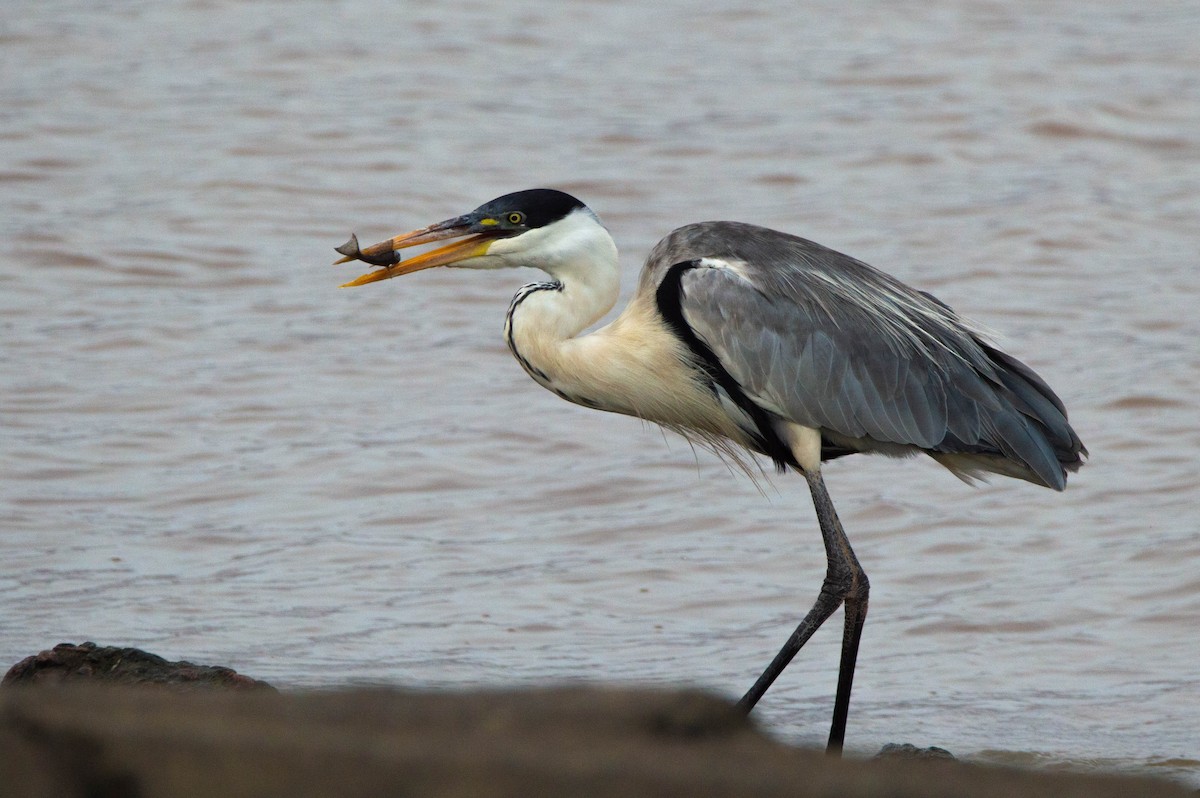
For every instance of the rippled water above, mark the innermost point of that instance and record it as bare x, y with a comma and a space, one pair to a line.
208, 451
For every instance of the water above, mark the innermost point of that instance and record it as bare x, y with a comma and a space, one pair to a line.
208, 451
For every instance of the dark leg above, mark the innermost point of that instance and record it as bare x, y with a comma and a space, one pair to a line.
845, 581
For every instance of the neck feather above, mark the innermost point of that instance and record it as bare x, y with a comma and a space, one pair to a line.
545, 319
635, 365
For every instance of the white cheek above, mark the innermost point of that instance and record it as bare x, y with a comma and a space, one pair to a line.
502, 247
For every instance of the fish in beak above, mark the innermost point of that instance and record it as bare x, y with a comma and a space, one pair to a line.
475, 235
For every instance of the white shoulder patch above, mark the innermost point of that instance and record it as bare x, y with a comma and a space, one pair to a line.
738, 267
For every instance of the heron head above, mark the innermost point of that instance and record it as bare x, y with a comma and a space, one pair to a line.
525, 228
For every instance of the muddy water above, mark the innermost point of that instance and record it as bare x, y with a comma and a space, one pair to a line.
208, 451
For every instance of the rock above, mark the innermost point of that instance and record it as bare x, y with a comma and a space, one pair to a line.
910, 751
68, 662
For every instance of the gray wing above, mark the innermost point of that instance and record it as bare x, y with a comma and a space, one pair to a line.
826, 341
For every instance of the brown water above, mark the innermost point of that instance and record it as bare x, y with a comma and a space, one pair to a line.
208, 451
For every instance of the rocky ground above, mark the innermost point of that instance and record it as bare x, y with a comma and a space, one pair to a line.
81, 721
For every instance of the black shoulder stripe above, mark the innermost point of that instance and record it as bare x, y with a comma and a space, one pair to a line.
669, 298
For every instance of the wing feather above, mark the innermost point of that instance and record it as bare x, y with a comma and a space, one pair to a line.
823, 340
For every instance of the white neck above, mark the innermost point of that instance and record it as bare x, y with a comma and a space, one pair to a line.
634, 365
581, 257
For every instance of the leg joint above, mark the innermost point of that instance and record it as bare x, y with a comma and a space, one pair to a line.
846, 579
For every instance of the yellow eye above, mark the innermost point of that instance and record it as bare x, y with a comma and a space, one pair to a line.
516, 217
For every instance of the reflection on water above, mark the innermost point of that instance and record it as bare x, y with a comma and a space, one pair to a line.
210, 452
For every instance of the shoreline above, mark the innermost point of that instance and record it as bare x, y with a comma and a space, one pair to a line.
109, 721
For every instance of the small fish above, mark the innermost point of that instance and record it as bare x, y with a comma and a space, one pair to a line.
376, 255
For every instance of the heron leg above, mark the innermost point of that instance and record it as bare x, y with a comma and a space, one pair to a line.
845, 582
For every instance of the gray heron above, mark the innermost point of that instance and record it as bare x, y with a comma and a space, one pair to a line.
742, 338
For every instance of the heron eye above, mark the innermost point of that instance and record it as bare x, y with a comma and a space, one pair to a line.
516, 217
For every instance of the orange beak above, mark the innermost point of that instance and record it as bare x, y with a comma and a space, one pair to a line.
387, 253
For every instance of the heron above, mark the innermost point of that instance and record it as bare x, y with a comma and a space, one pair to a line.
750, 341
